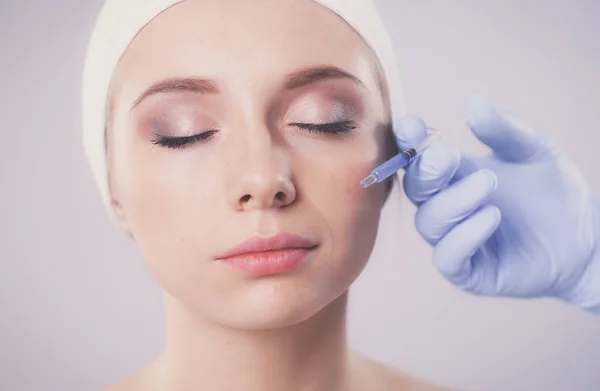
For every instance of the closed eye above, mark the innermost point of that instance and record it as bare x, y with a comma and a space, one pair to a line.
182, 142
330, 128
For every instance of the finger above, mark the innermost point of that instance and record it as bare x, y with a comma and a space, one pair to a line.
508, 136
410, 131
436, 217
431, 172
468, 165
453, 256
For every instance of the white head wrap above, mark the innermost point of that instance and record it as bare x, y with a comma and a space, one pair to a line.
120, 21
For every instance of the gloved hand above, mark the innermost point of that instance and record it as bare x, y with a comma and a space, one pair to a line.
520, 222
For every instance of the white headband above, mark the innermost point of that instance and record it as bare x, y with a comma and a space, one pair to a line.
120, 21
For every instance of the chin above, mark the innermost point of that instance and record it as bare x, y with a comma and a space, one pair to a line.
274, 303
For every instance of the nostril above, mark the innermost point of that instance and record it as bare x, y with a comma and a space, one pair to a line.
246, 198
280, 196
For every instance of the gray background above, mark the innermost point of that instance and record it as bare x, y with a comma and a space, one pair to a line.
78, 308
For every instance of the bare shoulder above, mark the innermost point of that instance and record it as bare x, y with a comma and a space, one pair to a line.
379, 376
136, 381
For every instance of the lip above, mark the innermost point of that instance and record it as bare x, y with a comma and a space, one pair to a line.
259, 256
257, 244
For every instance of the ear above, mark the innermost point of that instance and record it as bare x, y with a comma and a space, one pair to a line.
121, 217
117, 209
391, 150
389, 186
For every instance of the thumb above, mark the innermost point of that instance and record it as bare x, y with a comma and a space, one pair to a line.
410, 131
508, 136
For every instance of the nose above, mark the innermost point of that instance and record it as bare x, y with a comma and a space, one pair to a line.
261, 177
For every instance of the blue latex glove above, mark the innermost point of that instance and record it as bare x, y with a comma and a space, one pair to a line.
520, 222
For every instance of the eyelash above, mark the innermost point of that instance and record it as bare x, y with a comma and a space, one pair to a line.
331, 128
182, 142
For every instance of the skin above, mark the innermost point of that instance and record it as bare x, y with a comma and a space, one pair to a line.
256, 175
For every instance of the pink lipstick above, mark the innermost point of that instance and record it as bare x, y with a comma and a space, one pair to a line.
267, 256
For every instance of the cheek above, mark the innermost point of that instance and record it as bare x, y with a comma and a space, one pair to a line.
354, 213
170, 203
164, 194
351, 212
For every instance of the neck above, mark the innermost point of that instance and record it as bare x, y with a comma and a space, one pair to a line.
203, 355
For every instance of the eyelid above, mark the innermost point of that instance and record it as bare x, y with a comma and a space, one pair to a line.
174, 115
322, 106
334, 128
172, 125
180, 142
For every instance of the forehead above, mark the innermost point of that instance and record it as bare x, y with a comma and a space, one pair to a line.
243, 42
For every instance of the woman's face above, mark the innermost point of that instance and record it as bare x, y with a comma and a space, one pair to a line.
255, 78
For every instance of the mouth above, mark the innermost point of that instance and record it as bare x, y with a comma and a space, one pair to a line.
259, 256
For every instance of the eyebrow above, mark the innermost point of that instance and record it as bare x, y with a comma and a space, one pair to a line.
295, 80
308, 76
188, 84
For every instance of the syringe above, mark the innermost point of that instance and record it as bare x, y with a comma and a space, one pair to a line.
399, 161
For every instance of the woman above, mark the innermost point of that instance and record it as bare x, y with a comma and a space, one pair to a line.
218, 130
237, 134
